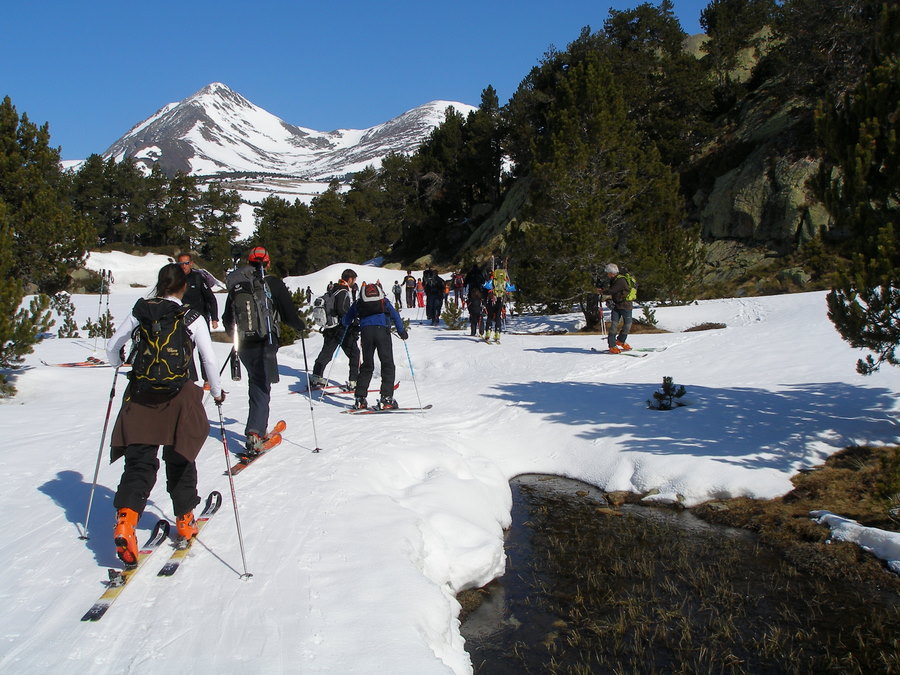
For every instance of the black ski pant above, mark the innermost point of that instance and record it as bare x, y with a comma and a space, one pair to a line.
495, 316
433, 304
261, 363
475, 323
410, 296
139, 477
376, 338
349, 345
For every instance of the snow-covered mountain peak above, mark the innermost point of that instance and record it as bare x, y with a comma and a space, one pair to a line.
217, 131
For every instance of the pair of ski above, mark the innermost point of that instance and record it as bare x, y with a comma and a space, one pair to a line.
338, 390
118, 579
271, 441
637, 353
384, 411
89, 362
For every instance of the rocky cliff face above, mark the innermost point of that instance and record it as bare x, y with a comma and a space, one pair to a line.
756, 180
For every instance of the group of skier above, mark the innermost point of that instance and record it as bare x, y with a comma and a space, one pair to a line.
162, 405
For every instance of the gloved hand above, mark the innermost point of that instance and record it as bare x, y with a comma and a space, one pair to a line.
403, 335
220, 399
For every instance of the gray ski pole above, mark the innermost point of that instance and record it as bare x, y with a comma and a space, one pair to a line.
312, 417
412, 372
112, 395
237, 518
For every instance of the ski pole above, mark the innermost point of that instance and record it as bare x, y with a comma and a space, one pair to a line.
112, 395
412, 372
99, 307
312, 417
237, 518
226, 362
336, 350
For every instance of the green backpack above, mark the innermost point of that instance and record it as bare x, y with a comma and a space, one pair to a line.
632, 287
499, 285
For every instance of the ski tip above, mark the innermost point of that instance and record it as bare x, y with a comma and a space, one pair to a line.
213, 502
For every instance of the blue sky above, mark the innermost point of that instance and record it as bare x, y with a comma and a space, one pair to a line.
93, 69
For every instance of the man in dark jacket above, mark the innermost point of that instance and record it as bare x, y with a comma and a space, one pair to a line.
256, 323
339, 336
374, 311
201, 299
620, 308
434, 295
409, 283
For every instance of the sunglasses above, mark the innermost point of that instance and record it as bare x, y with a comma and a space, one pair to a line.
184, 263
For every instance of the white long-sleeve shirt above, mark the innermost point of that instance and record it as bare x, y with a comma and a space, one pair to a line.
199, 333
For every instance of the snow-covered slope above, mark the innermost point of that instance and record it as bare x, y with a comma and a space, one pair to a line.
218, 131
357, 552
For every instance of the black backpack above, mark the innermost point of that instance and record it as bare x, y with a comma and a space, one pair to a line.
162, 350
255, 314
433, 283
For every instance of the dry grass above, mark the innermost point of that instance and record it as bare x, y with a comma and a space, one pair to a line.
856, 483
705, 326
644, 592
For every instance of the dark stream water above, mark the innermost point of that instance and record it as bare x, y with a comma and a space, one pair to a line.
589, 589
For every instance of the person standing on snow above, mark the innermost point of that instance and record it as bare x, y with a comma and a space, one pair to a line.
475, 303
159, 411
620, 308
338, 335
374, 311
397, 292
498, 289
256, 305
434, 295
410, 284
420, 293
199, 297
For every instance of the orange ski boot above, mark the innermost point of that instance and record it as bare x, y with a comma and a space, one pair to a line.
186, 526
126, 540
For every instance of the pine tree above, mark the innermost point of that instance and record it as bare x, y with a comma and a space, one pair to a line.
861, 139
19, 328
284, 228
180, 213
481, 159
48, 237
597, 186
217, 211
731, 25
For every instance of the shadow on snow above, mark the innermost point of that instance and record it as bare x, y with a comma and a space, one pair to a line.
751, 427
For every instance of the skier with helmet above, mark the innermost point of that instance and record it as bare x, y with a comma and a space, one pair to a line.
256, 305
